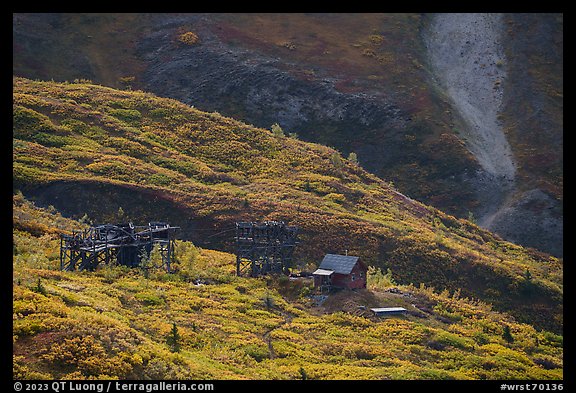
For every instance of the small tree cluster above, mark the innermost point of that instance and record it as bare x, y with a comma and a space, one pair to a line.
336, 160
378, 280
353, 158
277, 130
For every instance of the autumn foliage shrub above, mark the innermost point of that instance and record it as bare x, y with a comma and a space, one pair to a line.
188, 38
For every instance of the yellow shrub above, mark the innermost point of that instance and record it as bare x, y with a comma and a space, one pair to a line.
334, 197
188, 38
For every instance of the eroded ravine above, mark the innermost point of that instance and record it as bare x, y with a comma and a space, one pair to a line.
468, 61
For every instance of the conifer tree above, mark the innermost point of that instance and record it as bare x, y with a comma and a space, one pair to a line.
173, 339
39, 288
507, 335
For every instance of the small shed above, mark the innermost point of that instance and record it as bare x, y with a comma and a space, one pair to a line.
383, 311
340, 271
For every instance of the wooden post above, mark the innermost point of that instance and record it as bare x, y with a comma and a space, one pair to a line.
61, 251
168, 255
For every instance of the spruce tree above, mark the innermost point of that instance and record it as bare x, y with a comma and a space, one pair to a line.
173, 339
39, 288
303, 373
507, 335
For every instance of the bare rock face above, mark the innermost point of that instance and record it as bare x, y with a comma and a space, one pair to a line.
466, 53
468, 59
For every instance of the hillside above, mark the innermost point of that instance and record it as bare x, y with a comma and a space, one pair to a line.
503, 74
101, 154
360, 82
115, 323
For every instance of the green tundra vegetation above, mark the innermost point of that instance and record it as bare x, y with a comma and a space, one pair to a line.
203, 322
96, 153
480, 307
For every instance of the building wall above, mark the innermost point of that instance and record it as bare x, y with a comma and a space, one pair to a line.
346, 281
359, 273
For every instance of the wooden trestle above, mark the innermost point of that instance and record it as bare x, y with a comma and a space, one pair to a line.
263, 248
123, 244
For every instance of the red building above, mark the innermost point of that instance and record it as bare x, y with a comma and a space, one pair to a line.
340, 271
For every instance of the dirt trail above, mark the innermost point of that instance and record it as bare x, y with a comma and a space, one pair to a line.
287, 319
468, 60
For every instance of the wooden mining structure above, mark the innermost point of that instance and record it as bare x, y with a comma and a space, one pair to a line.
263, 248
123, 244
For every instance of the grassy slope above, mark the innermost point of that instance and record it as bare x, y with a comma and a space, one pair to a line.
113, 323
374, 53
371, 52
204, 168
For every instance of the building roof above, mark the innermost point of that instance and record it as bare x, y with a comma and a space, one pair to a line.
323, 272
342, 264
383, 310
